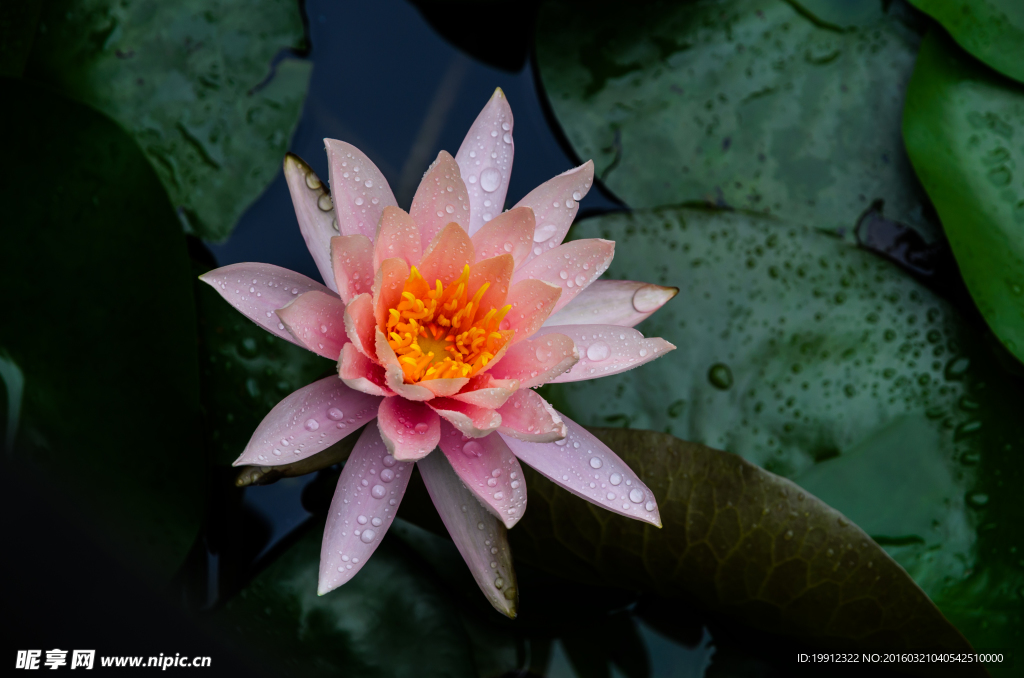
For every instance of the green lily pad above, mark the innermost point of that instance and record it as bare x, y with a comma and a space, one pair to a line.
991, 30
825, 364
742, 541
964, 129
245, 371
195, 83
100, 325
390, 620
754, 104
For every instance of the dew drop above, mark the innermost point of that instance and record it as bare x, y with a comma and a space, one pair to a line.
378, 492
472, 449
361, 520
636, 495
598, 351
595, 462
421, 428
334, 414
615, 479
387, 475
720, 376
325, 203
367, 536
490, 178
312, 424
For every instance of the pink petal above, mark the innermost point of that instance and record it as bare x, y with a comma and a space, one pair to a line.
317, 321
359, 190
258, 290
486, 177
489, 470
308, 421
360, 373
360, 514
497, 272
360, 325
409, 429
394, 377
352, 259
398, 237
472, 421
529, 417
586, 467
479, 536
444, 387
448, 254
573, 266
440, 199
508, 233
309, 197
607, 349
613, 302
387, 288
485, 391
532, 302
554, 204
537, 361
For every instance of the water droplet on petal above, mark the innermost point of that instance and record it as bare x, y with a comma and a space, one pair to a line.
598, 351
312, 424
636, 495
490, 178
378, 492
595, 462
335, 414
472, 449
367, 536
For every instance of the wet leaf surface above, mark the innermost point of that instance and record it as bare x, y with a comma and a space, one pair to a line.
991, 30
390, 620
741, 540
963, 126
827, 365
755, 104
101, 326
210, 91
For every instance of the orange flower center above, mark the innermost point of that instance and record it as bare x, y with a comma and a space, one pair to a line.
441, 333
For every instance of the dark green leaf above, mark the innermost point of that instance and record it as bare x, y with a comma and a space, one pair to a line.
991, 30
963, 127
743, 541
758, 104
17, 28
390, 620
245, 372
193, 82
99, 320
822, 363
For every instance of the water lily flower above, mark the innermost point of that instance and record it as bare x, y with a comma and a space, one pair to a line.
442, 320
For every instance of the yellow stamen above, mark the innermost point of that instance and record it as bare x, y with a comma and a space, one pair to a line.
436, 334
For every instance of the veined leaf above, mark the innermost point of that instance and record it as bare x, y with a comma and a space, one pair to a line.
741, 540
